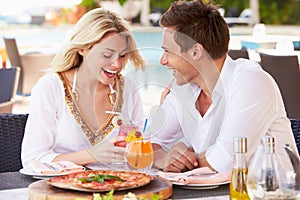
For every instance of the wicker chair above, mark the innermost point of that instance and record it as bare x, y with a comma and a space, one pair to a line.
295, 124
11, 135
31, 65
9, 79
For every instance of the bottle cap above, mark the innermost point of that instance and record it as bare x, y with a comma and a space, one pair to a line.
268, 141
240, 145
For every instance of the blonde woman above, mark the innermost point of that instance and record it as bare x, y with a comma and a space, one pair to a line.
71, 109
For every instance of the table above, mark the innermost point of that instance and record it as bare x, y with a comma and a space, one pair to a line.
13, 185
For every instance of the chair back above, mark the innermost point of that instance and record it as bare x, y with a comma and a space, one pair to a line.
33, 66
238, 53
12, 128
285, 71
295, 124
12, 51
9, 79
14, 57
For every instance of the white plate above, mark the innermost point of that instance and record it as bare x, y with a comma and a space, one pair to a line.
30, 172
201, 186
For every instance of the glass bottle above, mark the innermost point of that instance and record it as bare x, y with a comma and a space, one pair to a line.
238, 189
269, 181
268, 178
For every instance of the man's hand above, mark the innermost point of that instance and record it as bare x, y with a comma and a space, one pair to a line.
179, 158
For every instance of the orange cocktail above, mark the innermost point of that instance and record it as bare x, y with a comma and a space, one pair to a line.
139, 154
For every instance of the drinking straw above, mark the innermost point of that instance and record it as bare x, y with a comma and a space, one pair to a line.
145, 125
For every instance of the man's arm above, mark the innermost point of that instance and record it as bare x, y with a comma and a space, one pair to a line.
203, 162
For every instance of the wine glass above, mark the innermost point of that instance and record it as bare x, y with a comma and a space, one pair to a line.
139, 155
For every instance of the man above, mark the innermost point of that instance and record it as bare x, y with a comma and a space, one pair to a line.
214, 99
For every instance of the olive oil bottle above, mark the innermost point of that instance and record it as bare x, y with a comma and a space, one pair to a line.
238, 189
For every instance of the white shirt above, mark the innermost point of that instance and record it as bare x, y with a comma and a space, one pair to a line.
51, 128
246, 103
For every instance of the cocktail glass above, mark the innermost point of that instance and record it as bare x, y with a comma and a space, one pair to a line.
139, 155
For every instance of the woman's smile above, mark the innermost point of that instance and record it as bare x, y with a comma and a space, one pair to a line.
109, 73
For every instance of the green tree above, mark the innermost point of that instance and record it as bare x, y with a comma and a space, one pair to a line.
295, 16
89, 4
271, 11
159, 4
276, 11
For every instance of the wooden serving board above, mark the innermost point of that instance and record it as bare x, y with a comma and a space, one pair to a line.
41, 190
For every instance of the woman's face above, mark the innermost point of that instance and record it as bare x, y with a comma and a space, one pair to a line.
106, 58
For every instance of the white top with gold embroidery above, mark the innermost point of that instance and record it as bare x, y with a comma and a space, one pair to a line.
51, 128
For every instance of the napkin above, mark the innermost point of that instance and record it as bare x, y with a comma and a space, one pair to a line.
61, 167
203, 175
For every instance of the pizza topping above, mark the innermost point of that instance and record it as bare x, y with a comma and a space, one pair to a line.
100, 178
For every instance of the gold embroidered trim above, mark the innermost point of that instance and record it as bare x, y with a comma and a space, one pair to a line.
101, 133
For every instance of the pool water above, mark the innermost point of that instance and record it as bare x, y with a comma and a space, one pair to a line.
150, 82
149, 44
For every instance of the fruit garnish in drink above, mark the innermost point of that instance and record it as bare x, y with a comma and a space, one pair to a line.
117, 121
134, 135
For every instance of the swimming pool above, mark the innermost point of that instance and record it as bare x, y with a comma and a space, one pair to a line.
149, 44
50, 39
150, 82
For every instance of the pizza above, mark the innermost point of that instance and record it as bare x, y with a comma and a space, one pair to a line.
100, 180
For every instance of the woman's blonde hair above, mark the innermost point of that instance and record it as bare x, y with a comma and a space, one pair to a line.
89, 30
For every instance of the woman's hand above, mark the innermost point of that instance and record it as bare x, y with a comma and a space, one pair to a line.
107, 152
166, 92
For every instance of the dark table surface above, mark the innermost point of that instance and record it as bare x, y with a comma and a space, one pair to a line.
14, 180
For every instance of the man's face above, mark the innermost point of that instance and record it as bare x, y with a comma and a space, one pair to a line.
174, 59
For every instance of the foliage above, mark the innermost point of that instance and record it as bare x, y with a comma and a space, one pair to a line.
88, 4
122, 2
160, 5
295, 16
275, 11
271, 11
